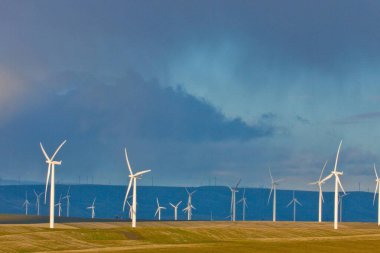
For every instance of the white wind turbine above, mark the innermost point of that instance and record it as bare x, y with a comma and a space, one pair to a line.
26, 203
234, 190
340, 204
175, 207
243, 200
273, 189
189, 206
51, 169
377, 190
295, 202
320, 198
59, 204
132, 181
158, 211
38, 196
92, 207
67, 197
338, 185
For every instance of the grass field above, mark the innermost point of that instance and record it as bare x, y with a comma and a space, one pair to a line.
193, 236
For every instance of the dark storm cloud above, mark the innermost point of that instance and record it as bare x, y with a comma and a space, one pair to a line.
100, 118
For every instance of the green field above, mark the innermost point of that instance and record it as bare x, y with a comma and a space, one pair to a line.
189, 237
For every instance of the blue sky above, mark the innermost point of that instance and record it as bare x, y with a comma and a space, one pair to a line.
193, 89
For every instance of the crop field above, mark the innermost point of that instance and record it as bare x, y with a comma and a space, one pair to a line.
182, 236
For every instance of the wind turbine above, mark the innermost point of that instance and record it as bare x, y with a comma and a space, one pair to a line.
295, 202
158, 211
189, 206
51, 169
26, 203
377, 190
341, 205
92, 207
320, 198
67, 197
133, 181
38, 196
244, 201
338, 185
175, 209
234, 190
59, 204
273, 189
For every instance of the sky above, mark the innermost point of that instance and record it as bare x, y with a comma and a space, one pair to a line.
197, 91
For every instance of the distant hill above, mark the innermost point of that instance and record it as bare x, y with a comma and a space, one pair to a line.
357, 206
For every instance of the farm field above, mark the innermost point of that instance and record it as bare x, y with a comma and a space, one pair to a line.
182, 236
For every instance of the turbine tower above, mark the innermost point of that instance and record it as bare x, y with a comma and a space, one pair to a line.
320, 198
59, 204
295, 202
26, 203
338, 185
51, 169
175, 207
158, 211
67, 197
234, 190
243, 200
377, 190
38, 196
133, 181
189, 206
273, 189
92, 207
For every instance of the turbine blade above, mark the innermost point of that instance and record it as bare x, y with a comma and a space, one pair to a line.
327, 178
340, 184
374, 196
179, 203
141, 173
126, 158
374, 168
44, 152
172, 205
324, 166
126, 194
56, 152
270, 194
290, 203
337, 156
156, 212
270, 174
238, 183
47, 181
320, 188
299, 203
